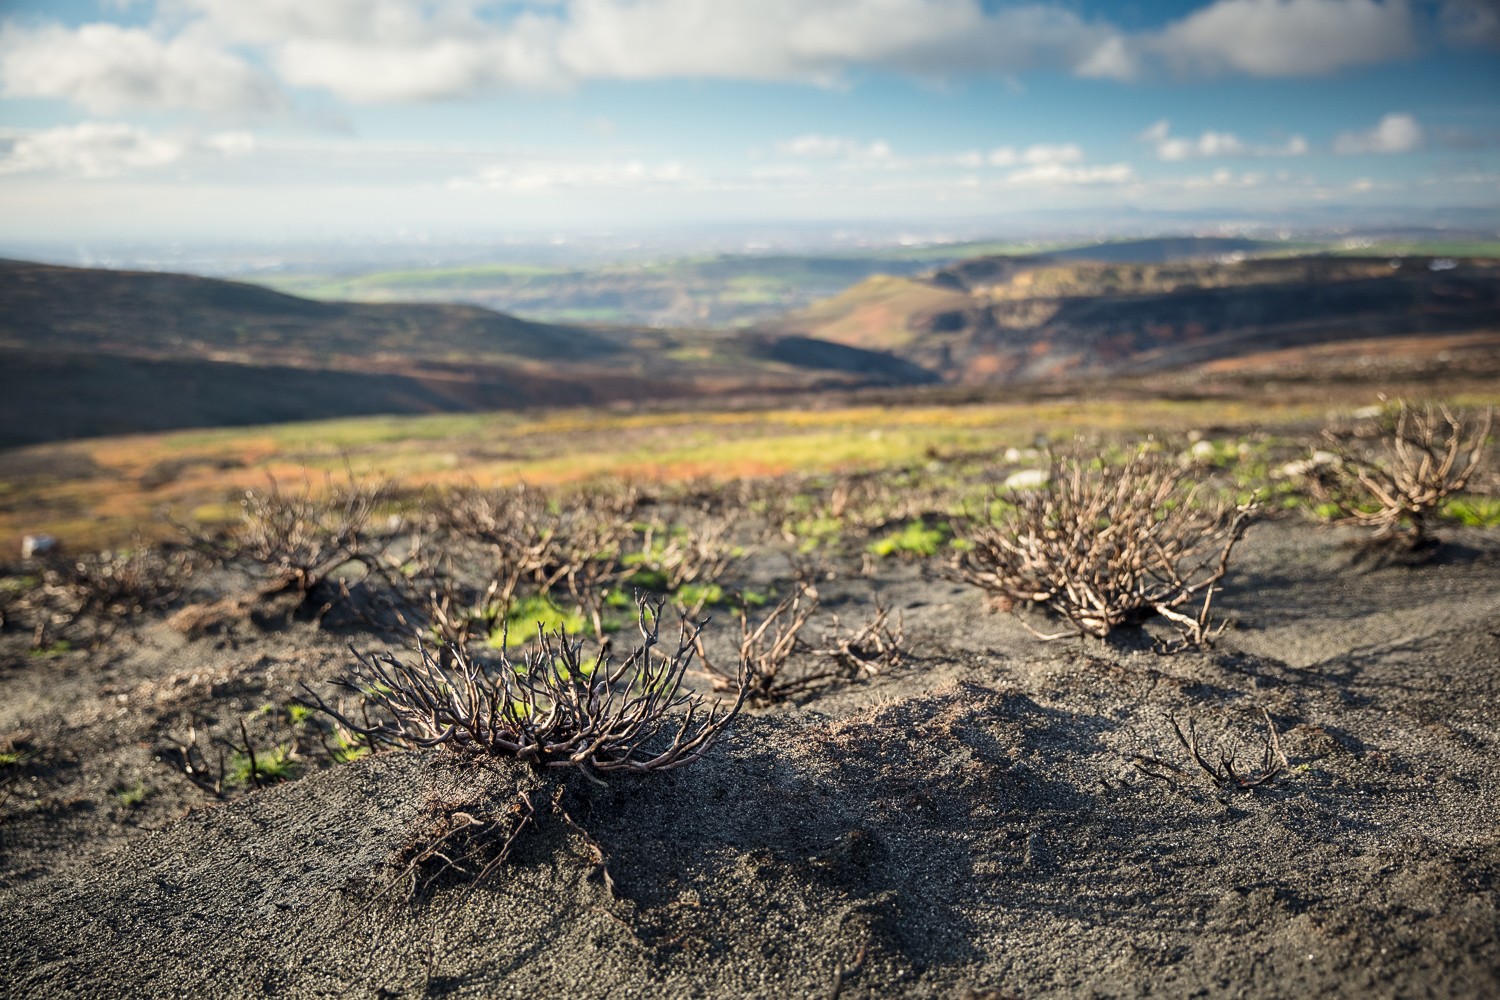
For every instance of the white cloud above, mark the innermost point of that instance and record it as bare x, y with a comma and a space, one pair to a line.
393, 73
105, 68
1223, 178
107, 149
390, 51
1041, 154
818, 40
92, 149
631, 174
408, 50
1395, 133
271, 21
1287, 37
1213, 145
1114, 59
971, 159
835, 147
1063, 175
231, 143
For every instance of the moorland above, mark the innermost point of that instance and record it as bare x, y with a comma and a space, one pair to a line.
88, 352
917, 795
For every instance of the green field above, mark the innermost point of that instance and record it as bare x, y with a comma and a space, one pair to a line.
721, 290
736, 290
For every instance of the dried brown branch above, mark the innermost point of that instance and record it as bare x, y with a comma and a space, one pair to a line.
1423, 457
774, 658
531, 543
469, 838
1102, 546
90, 596
554, 708
697, 550
874, 648
1221, 767
188, 757
301, 538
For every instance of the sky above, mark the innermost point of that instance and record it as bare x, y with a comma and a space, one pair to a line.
163, 120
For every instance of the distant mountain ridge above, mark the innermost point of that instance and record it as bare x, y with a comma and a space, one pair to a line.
86, 352
90, 352
1015, 319
144, 311
720, 291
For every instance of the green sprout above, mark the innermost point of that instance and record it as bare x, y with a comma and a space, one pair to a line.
130, 796
347, 748
1474, 511
917, 538
275, 764
533, 611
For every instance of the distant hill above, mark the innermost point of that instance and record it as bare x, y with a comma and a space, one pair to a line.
1162, 250
1011, 319
722, 291
87, 352
82, 309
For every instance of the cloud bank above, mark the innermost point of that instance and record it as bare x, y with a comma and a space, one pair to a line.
1214, 145
108, 149
1394, 133
234, 56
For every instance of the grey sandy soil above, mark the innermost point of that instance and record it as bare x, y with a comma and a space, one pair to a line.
970, 824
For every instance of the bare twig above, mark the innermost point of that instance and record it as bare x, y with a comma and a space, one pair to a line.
555, 708
1424, 456
873, 648
1103, 546
469, 838
187, 757
1221, 768
301, 538
773, 655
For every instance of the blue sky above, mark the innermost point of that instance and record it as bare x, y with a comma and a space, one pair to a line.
160, 120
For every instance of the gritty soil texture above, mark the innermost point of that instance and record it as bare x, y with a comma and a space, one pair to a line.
996, 817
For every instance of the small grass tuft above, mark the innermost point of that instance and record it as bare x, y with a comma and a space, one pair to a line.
274, 764
918, 538
531, 612
131, 796
10, 758
1473, 511
347, 747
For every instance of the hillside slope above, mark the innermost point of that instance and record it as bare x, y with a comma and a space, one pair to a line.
89, 352
1005, 319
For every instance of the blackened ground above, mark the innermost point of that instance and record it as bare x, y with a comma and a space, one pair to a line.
976, 822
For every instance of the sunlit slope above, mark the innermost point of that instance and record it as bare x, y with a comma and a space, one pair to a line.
1009, 319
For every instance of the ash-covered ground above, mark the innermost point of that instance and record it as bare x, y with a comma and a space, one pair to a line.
993, 817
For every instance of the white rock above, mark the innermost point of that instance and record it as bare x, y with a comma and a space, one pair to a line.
1302, 467
37, 545
1026, 479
